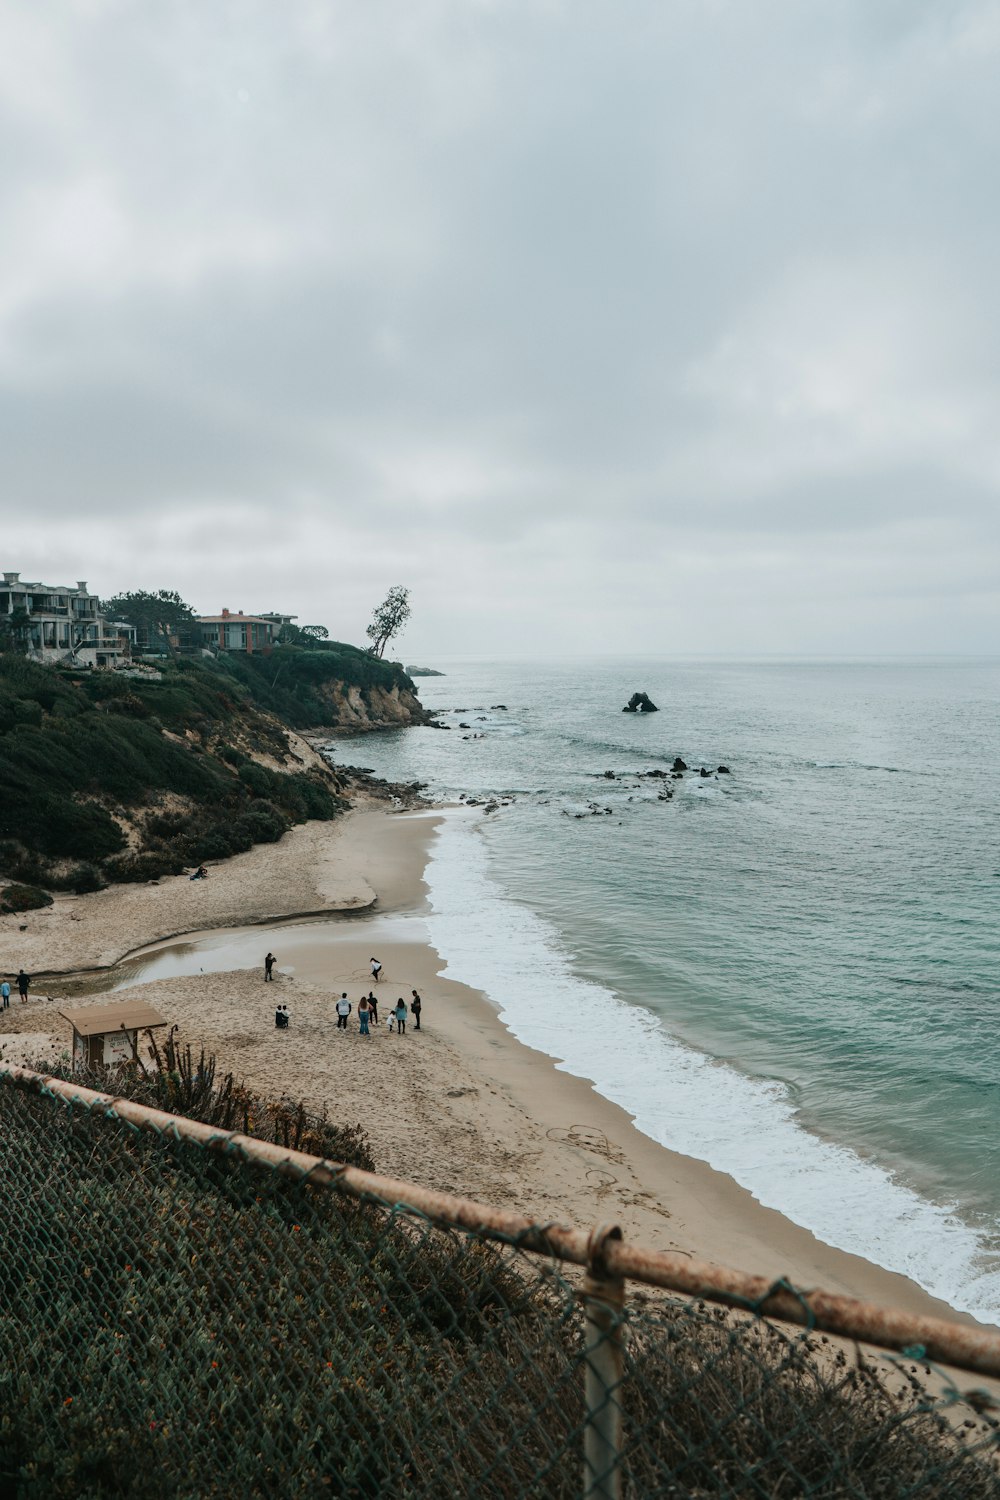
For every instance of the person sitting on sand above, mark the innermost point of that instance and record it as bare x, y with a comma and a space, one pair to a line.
373, 1006
23, 985
401, 1016
376, 969
269, 963
200, 874
281, 1017
363, 1014
343, 1011
416, 1005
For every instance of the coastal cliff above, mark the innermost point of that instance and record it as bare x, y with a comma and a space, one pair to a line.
361, 708
128, 776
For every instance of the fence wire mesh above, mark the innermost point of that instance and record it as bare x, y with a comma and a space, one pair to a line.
180, 1321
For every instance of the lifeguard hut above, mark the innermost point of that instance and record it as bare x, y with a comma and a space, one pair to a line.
104, 1036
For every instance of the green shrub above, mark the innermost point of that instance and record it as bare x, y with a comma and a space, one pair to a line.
132, 868
85, 878
23, 898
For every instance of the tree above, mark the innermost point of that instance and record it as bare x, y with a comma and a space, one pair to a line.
317, 632
389, 618
156, 617
14, 630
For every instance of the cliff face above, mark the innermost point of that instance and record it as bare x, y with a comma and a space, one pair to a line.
356, 708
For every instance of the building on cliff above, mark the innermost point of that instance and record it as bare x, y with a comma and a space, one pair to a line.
240, 632
57, 623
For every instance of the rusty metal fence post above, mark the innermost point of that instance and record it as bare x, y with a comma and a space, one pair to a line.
604, 1362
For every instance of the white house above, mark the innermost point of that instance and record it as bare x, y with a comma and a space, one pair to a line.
64, 624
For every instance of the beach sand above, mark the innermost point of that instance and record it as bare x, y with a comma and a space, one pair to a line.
460, 1106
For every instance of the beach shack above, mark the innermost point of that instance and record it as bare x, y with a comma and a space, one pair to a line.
106, 1035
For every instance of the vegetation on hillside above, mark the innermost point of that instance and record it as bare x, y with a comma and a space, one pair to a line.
106, 776
295, 682
179, 1322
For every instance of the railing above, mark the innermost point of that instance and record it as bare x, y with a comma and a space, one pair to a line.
236, 1316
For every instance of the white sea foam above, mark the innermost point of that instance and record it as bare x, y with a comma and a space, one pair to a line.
684, 1099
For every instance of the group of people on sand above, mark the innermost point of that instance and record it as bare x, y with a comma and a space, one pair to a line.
395, 1021
23, 983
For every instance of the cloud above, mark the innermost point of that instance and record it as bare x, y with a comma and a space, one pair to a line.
596, 327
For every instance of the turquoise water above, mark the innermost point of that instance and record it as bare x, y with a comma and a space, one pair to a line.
820, 923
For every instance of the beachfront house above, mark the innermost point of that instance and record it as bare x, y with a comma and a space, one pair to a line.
56, 623
240, 632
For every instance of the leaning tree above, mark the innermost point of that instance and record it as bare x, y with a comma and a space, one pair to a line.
388, 619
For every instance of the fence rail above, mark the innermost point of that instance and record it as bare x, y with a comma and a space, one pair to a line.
380, 1338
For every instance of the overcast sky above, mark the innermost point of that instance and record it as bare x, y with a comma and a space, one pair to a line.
666, 326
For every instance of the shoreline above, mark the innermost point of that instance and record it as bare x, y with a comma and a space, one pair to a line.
465, 1106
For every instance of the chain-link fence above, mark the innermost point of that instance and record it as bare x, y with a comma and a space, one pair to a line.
184, 1312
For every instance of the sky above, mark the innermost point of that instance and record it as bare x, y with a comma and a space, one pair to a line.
603, 327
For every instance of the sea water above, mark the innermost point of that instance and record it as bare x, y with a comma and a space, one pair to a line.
789, 971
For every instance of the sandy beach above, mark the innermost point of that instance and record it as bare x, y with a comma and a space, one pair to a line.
461, 1105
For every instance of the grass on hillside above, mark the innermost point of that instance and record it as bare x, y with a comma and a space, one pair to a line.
175, 1322
83, 754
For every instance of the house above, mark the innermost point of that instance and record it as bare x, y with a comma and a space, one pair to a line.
239, 632
63, 624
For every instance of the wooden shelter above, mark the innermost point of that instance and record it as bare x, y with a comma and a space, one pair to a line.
106, 1035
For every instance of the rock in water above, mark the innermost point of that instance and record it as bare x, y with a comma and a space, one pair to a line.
640, 703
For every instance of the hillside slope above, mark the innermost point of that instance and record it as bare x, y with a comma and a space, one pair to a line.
115, 777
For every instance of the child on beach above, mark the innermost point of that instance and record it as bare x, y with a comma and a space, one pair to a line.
391, 1022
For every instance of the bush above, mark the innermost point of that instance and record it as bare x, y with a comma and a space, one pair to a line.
85, 878
131, 868
23, 898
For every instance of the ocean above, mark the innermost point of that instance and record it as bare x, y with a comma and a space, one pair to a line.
789, 971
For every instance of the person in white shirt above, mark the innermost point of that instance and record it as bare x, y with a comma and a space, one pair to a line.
343, 1011
376, 969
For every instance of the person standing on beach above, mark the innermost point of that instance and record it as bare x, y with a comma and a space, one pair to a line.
416, 1005
343, 1011
373, 1006
4, 995
376, 969
23, 985
363, 1014
269, 963
401, 1016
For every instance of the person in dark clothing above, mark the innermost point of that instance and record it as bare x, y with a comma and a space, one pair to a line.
23, 985
269, 963
416, 1005
373, 1006
281, 1018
